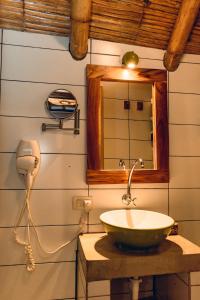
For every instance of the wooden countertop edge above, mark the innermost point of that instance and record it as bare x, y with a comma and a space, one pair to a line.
177, 255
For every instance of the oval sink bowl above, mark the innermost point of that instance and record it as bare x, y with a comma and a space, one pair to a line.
138, 229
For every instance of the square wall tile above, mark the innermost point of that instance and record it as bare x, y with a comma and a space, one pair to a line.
42, 65
140, 91
30, 39
179, 81
28, 98
58, 202
51, 237
112, 48
141, 149
48, 281
189, 146
116, 148
57, 171
184, 108
69, 172
50, 141
116, 129
141, 115
105, 60
195, 278
96, 228
140, 130
192, 58
180, 167
195, 292
190, 230
150, 63
114, 108
184, 204
114, 90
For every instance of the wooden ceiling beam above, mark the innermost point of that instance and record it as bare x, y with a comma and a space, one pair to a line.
80, 20
182, 29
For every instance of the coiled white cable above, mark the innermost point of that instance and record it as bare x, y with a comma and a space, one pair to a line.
30, 261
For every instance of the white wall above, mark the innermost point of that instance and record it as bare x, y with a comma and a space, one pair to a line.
32, 66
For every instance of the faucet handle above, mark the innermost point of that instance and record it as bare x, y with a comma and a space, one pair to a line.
126, 199
133, 200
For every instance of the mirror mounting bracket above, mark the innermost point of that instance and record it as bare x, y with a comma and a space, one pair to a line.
76, 129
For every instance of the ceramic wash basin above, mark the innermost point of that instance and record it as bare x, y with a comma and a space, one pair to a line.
138, 229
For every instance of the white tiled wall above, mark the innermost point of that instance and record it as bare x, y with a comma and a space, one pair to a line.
32, 66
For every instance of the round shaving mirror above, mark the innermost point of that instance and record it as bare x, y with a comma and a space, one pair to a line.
61, 104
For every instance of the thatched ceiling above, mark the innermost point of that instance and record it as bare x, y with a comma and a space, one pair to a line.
147, 23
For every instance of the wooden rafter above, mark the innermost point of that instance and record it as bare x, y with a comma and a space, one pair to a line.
182, 29
80, 18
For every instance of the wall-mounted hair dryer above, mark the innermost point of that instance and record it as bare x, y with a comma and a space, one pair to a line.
28, 160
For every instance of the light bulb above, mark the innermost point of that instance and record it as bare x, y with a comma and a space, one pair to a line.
131, 65
130, 59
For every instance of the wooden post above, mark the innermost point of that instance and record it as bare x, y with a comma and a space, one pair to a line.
182, 29
80, 18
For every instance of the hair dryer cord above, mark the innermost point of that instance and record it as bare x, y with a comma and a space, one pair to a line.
30, 265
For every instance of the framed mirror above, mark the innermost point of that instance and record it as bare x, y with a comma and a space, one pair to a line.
126, 119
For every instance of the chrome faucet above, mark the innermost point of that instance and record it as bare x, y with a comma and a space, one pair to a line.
127, 198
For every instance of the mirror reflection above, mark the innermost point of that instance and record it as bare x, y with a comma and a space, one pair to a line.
61, 104
127, 131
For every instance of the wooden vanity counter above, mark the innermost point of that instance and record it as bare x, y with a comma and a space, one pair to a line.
101, 260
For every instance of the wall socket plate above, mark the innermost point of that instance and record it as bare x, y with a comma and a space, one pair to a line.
82, 203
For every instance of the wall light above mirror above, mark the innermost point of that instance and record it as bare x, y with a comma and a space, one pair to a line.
130, 59
127, 119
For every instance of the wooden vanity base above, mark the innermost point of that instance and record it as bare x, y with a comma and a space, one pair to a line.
101, 260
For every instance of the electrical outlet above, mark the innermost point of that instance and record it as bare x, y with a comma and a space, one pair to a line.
82, 203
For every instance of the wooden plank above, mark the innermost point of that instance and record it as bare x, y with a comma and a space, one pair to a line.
80, 19
63, 10
120, 176
47, 29
103, 261
107, 35
183, 26
56, 23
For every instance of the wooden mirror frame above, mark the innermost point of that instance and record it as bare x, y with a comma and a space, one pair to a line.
96, 175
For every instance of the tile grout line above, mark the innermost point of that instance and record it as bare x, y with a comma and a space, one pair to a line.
42, 82
90, 52
39, 263
30, 117
168, 99
1, 61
